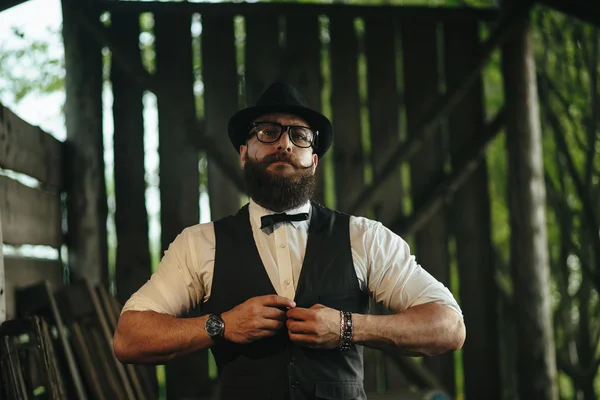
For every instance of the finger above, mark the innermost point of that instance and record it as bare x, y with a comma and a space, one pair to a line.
273, 313
300, 314
298, 327
303, 339
271, 325
273, 300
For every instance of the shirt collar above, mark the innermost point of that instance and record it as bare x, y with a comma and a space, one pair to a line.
256, 211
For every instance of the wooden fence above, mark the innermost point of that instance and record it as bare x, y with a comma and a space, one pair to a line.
29, 214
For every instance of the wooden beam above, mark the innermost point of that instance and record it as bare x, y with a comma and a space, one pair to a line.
405, 13
471, 156
137, 71
23, 272
6, 4
87, 208
442, 107
586, 10
29, 216
27, 149
2, 279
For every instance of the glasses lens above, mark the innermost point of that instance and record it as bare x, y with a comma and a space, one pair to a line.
301, 137
267, 132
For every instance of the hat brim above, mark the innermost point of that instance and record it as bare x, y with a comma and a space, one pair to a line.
239, 124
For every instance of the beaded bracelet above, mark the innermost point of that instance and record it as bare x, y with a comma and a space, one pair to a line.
345, 330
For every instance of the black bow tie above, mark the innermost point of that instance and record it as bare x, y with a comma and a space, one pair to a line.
270, 220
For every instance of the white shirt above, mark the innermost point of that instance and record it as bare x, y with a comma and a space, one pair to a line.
382, 261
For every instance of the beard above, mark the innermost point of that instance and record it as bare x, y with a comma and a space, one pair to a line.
279, 191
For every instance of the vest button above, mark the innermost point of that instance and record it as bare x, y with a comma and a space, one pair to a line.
292, 360
295, 385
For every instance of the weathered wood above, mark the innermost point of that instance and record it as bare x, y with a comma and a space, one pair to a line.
29, 216
29, 150
38, 299
179, 175
2, 278
132, 268
220, 102
471, 222
383, 101
136, 71
529, 259
23, 272
87, 208
470, 157
301, 67
405, 13
421, 82
262, 64
441, 108
345, 109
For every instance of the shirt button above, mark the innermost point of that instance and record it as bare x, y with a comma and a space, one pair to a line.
282, 245
287, 281
295, 385
292, 361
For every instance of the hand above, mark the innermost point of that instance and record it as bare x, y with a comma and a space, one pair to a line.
317, 327
256, 318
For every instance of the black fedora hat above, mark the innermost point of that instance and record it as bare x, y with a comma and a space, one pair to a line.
284, 98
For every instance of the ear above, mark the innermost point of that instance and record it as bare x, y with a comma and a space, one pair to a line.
315, 162
243, 154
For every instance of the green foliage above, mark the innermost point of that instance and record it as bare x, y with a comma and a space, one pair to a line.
27, 67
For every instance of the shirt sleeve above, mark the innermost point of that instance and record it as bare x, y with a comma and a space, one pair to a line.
393, 276
178, 286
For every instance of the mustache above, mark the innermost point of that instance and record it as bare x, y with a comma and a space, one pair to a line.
282, 156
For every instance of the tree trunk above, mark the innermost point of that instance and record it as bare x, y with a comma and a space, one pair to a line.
536, 367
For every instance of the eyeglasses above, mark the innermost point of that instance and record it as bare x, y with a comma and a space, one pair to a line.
270, 132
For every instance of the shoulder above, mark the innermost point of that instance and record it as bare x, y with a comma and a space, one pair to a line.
203, 233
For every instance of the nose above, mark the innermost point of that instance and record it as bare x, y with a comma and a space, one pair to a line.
284, 143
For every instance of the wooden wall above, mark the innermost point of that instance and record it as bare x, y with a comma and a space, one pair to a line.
29, 214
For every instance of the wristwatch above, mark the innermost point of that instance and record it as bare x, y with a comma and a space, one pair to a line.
214, 326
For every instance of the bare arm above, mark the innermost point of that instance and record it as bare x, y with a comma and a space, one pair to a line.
427, 329
149, 337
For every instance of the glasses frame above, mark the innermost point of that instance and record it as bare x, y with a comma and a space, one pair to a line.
284, 128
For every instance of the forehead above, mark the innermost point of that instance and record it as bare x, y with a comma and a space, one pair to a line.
282, 118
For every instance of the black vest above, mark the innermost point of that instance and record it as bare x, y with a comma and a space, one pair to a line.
275, 368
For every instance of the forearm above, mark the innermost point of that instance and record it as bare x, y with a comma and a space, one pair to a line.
427, 329
154, 338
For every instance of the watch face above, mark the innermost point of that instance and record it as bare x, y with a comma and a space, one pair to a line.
214, 326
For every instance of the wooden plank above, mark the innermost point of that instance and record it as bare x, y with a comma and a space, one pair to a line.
87, 208
263, 58
23, 272
179, 175
345, 108
27, 149
220, 102
132, 267
421, 80
301, 67
429, 122
471, 222
2, 278
29, 216
383, 102
404, 13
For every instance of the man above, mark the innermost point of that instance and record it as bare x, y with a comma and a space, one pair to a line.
283, 285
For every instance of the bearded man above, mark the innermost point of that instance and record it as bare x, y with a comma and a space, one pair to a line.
284, 284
